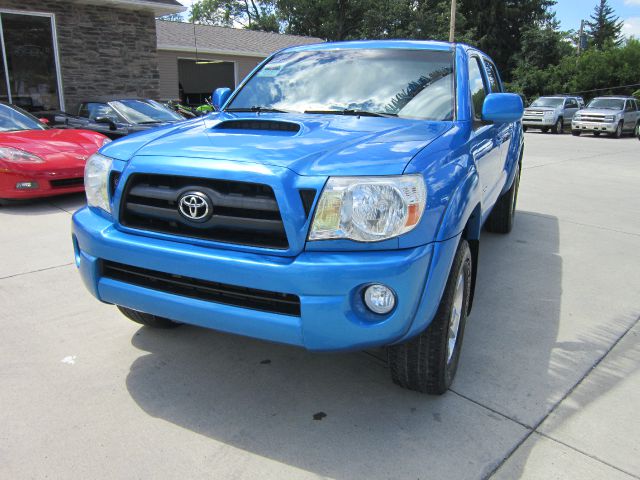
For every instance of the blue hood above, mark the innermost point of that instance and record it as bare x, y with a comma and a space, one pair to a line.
304, 143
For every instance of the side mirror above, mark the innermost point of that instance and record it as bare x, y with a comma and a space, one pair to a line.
44, 121
502, 108
220, 97
107, 120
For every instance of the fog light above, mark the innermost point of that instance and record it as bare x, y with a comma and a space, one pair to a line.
379, 299
26, 185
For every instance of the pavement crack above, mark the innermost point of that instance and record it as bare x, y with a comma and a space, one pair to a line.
586, 454
535, 428
36, 271
540, 215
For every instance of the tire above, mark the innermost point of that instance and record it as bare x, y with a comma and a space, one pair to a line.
618, 132
147, 319
636, 131
428, 362
576, 133
501, 217
558, 128
544, 129
524, 129
596, 134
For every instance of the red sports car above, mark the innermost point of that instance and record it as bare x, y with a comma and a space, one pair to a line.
38, 161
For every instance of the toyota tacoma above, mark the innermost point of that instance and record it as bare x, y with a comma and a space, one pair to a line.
334, 202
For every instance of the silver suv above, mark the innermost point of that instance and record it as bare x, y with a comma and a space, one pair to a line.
611, 115
551, 113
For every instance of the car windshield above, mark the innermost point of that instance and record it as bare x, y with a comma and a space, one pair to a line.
13, 119
607, 103
386, 82
548, 102
145, 111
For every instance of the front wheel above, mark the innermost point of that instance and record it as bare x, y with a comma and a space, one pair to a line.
636, 131
147, 319
558, 127
545, 129
428, 362
576, 133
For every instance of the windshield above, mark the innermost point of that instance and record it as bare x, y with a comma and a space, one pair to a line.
145, 111
548, 102
607, 103
404, 83
14, 118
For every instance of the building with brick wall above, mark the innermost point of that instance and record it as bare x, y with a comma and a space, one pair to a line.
57, 53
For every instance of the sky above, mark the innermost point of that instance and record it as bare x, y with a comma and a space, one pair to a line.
570, 12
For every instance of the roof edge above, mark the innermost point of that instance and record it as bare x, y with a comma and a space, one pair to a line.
235, 53
158, 8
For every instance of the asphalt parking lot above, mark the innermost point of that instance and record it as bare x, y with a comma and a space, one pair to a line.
548, 385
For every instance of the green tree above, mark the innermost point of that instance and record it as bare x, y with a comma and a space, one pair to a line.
498, 26
605, 27
173, 17
229, 13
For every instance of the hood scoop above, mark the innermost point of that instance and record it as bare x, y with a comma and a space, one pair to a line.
272, 127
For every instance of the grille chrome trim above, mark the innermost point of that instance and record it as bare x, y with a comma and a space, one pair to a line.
243, 213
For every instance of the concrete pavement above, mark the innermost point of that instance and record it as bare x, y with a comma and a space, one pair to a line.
546, 386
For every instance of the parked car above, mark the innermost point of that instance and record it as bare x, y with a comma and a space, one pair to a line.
302, 213
37, 161
116, 118
611, 115
551, 113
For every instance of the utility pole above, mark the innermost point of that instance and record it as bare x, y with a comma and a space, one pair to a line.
452, 24
580, 37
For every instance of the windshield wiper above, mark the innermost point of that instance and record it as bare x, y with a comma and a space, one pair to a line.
255, 108
348, 111
150, 123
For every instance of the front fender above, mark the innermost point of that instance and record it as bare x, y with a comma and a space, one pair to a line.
462, 205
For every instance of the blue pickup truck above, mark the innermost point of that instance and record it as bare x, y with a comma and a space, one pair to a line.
335, 202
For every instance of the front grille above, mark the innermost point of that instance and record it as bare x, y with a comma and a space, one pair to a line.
591, 118
534, 113
263, 300
243, 213
67, 182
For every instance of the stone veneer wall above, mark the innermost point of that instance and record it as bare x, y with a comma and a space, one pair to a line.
103, 51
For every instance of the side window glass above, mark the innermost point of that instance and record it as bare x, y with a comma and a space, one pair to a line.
635, 105
628, 107
494, 80
101, 110
84, 111
477, 87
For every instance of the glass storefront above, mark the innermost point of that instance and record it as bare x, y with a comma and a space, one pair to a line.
30, 73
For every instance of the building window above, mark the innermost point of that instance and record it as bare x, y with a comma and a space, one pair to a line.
30, 70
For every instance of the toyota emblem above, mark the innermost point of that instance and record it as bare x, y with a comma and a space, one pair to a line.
195, 206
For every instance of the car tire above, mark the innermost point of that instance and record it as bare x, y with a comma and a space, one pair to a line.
596, 134
558, 128
636, 131
148, 319
428, 362
501, 217
576, 133
618, 132
544, 129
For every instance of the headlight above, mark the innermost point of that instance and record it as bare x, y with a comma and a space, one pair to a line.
15, 155
96, 181
577, 117
369, 209
610, 118
549, 114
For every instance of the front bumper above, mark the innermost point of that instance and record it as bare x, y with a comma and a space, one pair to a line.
594, 126
538, 122
328, 284
48, 183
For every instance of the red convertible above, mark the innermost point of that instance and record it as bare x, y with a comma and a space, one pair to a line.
37, 161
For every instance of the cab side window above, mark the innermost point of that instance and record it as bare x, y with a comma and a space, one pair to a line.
477, 87
100, 110
494, 79
629, 107
571, 103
